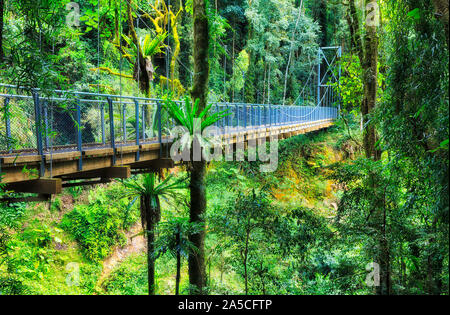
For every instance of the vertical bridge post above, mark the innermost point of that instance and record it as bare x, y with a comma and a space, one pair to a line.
45, 110
159, 117
245, 116
79, 136
124, 123
136, 104
319, 81
102, 118
339, 83
143, 122
37, 120
111, 127
8, 126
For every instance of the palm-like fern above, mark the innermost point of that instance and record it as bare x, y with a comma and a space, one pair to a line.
150, 190
149, 45
187, 114
153, 190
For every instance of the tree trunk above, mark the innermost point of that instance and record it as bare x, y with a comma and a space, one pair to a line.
2, 5
150, 260
143, 67
355, 32
383, 258
245, 261
366, 49
232, 67
197, 272
264, 84
150, 217
268, 86
263, 285
434, 264
178, 277
370, 79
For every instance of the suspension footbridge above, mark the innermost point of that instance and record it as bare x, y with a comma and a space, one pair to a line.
64, 138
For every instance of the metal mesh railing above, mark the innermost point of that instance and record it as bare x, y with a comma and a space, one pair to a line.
78, 120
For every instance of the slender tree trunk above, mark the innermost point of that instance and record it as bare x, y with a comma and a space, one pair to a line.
151, 261
322, 19
268, 86
355, 31
209, 272
143, 67
290, 51
370, 80
197, 272
384, 256
264, 84
178, 277
366, 49
149, 218
263, 285
2, 6
246, 260
232, 66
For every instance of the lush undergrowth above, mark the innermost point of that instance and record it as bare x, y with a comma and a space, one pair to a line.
299, 189
56, 248
59, 248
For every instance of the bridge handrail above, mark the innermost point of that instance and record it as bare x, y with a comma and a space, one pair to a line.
86, 122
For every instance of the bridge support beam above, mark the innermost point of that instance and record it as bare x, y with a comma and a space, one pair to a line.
50, 186
87, 183
122, 172
152, 166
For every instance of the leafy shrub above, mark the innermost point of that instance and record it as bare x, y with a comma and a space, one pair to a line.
11, 286
10, 215
95, 227
40, 236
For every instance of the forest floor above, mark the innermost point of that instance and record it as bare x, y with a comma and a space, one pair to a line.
136, 244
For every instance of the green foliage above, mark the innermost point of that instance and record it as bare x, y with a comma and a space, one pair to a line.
278, 232
271, 36
240, 69
96, 227
10, 214
148, 185
130, 278
150, 45
173, 237
11, 286
188, 114
351, 83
